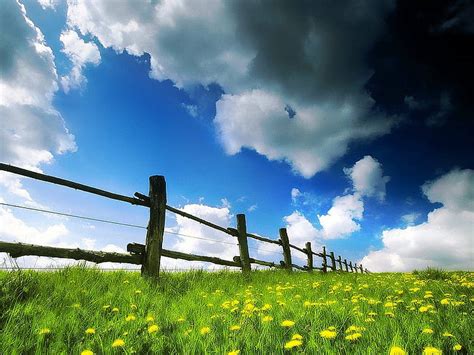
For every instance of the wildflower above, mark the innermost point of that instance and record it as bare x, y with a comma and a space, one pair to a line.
287, 323
130, 318
133, 306
328, 334
234, 327
150, 319
87, 352
297, 337
448, 335
234, 352
353, 336
396, 350
90, 331
205, 330
44, 331
118, 343
427, 331
180, 320
153, 329
389, 304
457, 347
444, 301
115, 310
76, 305
423, 309
354, 328
106, 307
293, 343
429, 350
267, 319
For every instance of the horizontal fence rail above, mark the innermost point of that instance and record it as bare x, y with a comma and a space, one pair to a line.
149, 255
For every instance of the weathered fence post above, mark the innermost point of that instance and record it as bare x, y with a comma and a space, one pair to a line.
156, 227
333, 261
361, 269
325, 260
285, 244
350, 265
243, 245
339, 261
309, 252
355, 268
346, 266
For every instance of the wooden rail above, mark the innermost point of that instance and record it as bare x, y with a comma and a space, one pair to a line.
149, 254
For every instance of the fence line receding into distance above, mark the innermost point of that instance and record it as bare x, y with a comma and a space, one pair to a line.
149, 255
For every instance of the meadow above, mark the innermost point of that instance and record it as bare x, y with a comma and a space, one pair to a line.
87, 311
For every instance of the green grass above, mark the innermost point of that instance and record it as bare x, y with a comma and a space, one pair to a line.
386, 307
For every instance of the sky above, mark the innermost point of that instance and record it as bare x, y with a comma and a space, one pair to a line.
349, 123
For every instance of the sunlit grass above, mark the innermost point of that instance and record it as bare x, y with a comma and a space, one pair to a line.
79, 310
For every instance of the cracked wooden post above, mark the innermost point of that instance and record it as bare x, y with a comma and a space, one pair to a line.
333, 261
309, 252
339, 261
243, 244
350, 265
156, 227
325, 260
346, 265
285, 244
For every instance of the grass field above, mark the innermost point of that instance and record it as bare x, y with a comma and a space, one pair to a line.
76, 310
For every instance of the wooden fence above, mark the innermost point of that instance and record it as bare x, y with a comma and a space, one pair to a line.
149, 255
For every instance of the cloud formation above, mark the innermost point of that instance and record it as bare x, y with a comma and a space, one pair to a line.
444, 240
294, 83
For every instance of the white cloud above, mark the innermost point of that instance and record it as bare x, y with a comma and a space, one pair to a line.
295, 193
80, 53
444, 240
51, 4
252, 208
191, 109
316, 66
410, 218
367, 178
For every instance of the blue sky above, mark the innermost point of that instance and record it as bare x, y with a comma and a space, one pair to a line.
146, 103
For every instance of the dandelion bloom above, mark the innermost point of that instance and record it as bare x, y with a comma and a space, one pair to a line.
293, 343
115, 309
448, 335
353, 337
267, 319
205, 330
297, 337
328, 334
234, 352
150, 319
90, 331
118, 343
43, 331
234, 327
180, 320
87, 352
130, 318
153, 328
429, 350
444, 301
287, 323
427, 331
396, 350
457, 347
423, 309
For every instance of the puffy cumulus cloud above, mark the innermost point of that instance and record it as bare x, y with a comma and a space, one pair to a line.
80, 53
367, 178
187, 227
294, 78
340, 221
32, 131
444, 240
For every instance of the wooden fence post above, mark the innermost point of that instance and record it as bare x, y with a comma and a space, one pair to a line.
325, 260
309, 252
285, 244
333, 261
350, 265
361, 269
345, 265
355, 268
243, 245
156, 227
339, 261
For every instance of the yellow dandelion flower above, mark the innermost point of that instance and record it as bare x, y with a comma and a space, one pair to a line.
448, 335
444, 301
427, 331
234, 352
115, 310
297, 337
287, 323
331, 328
234, 327
180, 320
118, 343
87, 352
429, 350
353, 336
423, 309
130, 318
153, 329
205, 330
354, 328
267, 319
44, 331
137, 292
150, 319
328, 334
457, 347
90, 331
389, 304
396, 350
293, 343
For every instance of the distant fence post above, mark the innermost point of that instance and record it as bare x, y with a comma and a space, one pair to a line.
339, 261
361, 269
355, 268
346, 266
309, 252
333, 261
243, 245
285, 244
156, 226
350, 265
325, 260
